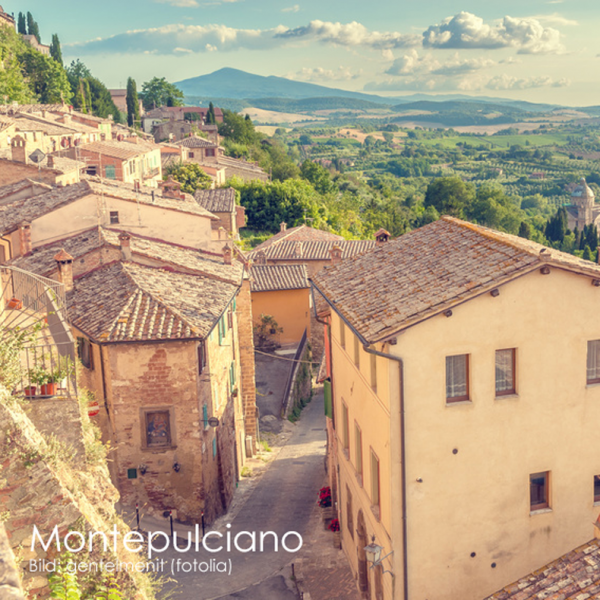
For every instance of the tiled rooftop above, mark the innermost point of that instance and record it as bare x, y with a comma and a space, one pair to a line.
25, 210
129, 302
428, 270
219, 200
13, 188
41, 260
312, 250
122, 150
302, 233
268, 278
196, 142
574, 576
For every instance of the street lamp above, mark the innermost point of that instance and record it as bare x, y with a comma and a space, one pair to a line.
373, 555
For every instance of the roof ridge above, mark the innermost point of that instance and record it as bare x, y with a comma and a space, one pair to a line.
495, 236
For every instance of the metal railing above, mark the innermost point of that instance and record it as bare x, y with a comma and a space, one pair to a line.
33, 309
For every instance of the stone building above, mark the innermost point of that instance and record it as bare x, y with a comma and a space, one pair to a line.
583, 209
221, 203
6, 20
164, 347
454, 372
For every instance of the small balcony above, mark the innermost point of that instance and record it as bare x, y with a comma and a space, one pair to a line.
35, 335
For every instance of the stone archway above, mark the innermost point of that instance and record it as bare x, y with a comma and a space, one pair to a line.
361, 542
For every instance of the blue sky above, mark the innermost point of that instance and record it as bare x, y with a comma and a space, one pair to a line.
542, 51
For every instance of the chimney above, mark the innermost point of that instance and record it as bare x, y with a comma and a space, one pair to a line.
382, 236
282, 227
298, 249
125, 242
336, 254
64, 262
66, 119
18, 147
50, 162
171, 189
227, 254
25, 238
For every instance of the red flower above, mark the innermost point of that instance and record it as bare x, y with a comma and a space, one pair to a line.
325, 497
334, 525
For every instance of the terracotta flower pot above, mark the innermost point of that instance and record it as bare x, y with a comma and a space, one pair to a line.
49, 389
15, 303
30, 391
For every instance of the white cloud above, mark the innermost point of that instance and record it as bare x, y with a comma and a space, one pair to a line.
294, 8
414, 64
350, 34
180, 3
321, 74
506, 82
183, 50
554, 19
199, 38
466, 30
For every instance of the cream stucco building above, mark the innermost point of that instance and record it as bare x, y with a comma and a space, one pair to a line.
465, 378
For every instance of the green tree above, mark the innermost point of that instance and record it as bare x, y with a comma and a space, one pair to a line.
133, 104
81, 102
318, 175
238, 129
587, 253
525, 230
159, 92
210, 115
55, 51
449, 196
191, 177
14, 86
33, 28
21, 24
46, 78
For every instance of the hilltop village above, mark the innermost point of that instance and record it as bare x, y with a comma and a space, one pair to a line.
418, 407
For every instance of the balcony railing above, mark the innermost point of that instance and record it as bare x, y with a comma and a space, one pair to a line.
33, 310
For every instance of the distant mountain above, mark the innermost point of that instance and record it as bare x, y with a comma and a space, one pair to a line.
233, 83
236, 85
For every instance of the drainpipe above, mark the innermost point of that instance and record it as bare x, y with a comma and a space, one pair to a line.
397, 418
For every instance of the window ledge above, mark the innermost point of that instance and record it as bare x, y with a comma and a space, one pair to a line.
592, 384
359, 479
459, 403
507, 397
596, 502
539, 511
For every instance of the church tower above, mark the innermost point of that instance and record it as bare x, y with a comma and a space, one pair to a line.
583, 198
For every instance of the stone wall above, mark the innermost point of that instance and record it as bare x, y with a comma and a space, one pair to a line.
246, 338
10, 581
44, 485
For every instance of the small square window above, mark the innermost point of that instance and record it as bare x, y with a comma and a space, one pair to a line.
131, 473
457, 378
505, 372
593, 361
539, 490
596, 488
114, 217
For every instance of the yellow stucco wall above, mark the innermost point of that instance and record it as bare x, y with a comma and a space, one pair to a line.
291, 309
477, 499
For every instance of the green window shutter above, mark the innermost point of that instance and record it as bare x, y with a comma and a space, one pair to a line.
220, 332
205, 416
214, 447
327, 396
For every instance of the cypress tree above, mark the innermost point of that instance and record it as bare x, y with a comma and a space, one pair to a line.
80, 99
21, 24
55, 51
525, 230
33, 28
587, 253
210, 115
133, 104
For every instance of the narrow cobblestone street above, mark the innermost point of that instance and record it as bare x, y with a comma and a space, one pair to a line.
282, 501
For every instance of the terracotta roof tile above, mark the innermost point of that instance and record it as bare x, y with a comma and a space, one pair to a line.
42, 261
13, 213
196, 142
427, 270
301, 233
574, 576
219, 200
122, 150
129, 302
311, 250
267, 278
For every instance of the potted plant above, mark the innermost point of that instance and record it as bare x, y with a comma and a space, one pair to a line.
325, 503
337, 534
54, 377
38, 376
